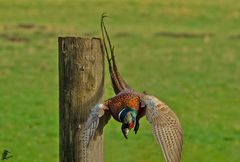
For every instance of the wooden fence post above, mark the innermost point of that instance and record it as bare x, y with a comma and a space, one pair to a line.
81, 81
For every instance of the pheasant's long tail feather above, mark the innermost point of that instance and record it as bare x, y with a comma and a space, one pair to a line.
117, 81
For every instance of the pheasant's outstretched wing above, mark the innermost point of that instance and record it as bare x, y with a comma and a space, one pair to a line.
166, 128
89, 127
118, 83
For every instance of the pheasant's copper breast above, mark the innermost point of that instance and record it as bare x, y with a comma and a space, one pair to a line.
121, 101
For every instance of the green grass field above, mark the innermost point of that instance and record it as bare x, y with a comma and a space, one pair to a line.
186, 53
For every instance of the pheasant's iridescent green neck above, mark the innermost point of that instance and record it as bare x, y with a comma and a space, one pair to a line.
124, 112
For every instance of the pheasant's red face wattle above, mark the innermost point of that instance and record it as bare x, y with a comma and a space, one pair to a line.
131, 125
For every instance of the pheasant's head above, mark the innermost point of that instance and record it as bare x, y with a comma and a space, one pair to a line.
128, 121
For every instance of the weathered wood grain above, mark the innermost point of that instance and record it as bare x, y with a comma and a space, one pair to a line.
81, 82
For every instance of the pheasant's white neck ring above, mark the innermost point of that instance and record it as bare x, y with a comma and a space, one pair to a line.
124, 112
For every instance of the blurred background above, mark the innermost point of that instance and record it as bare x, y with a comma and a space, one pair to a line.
184, 52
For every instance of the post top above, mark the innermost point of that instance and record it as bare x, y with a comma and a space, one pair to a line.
71, 37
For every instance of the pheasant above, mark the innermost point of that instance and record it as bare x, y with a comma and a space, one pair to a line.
129, 106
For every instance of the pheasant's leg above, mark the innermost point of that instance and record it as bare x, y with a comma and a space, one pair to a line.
136, 127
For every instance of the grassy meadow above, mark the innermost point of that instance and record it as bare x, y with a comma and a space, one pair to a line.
184, 52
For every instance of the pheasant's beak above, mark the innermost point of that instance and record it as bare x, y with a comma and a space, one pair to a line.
125, 131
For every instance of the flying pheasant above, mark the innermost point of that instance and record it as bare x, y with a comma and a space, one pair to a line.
129, 106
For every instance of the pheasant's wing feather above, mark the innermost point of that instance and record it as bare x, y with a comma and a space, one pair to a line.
166, 128
90, 126
92, 122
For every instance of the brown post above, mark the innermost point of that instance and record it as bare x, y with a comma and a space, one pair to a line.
81, 81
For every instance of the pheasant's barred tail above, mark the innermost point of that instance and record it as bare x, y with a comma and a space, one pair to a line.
118, 82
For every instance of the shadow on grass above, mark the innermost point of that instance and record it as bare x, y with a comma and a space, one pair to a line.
13, 38
183, 35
